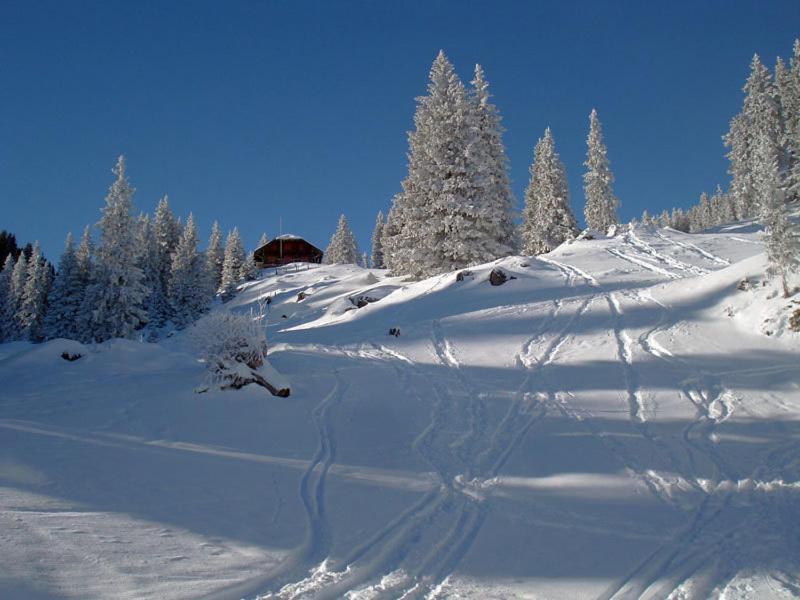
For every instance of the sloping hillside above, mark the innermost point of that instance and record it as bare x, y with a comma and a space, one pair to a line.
619, 420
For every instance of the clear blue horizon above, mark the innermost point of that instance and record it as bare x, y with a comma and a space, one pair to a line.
250, 112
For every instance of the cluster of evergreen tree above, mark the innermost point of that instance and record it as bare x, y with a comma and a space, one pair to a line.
142, 272
770, 117
8, 245
764, 155
456, 207
710, 211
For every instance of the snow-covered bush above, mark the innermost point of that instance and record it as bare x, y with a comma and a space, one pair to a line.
224, 339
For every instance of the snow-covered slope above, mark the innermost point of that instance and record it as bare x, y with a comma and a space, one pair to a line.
618, 421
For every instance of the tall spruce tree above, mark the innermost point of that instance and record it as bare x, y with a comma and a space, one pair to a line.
33, 303
18, 278
782, 238
448, 213
66, 297
377, 244
760, 116
600, 210
547, 218
115, 298
215, 257
167, 233
491, 174
342, 248
232, 264
147, 259
790, 103
249, 271
188, 286
7, 311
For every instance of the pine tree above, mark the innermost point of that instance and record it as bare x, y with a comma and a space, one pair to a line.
491, 173
215, 257
722, 207
263, 240
600, 210
547, 218
647, 220
66, 297
148, 260
19, 277
393, 245
33, 303
782, 238
789, 89
760, 115
232, 264
7, 310
188, 286
377, 244
115, 298
167, 233
249, 271
342, 248
705, 213
452, 211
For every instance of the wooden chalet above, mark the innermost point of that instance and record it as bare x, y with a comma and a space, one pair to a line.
285, 249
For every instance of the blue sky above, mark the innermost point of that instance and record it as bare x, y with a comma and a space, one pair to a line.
251, 111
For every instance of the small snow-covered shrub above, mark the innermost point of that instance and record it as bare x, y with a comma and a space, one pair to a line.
223, 339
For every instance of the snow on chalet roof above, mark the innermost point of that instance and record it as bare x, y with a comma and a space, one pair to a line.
288, 236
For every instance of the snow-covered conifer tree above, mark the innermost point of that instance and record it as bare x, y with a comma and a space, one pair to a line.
18, 278
188, 286
647, 220
7, 309
782, 238
249, 271
601, 205
454, 209
760, 116
66, 297
489, 171
115, 298
547, 218
148, 260
342, 248
33, 303
789, 92
395, 249
215, 257
232, 264
722, 207
263, 240
377, 244
167, 232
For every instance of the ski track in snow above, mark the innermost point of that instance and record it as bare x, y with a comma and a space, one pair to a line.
727, 509
694, 248
466, 463
312, 495
466, 453
680, 568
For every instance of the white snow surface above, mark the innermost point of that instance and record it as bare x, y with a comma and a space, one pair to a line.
619, 421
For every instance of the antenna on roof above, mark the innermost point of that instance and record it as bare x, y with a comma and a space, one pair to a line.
280, 237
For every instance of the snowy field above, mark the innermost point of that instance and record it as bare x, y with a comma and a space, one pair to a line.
619, 421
